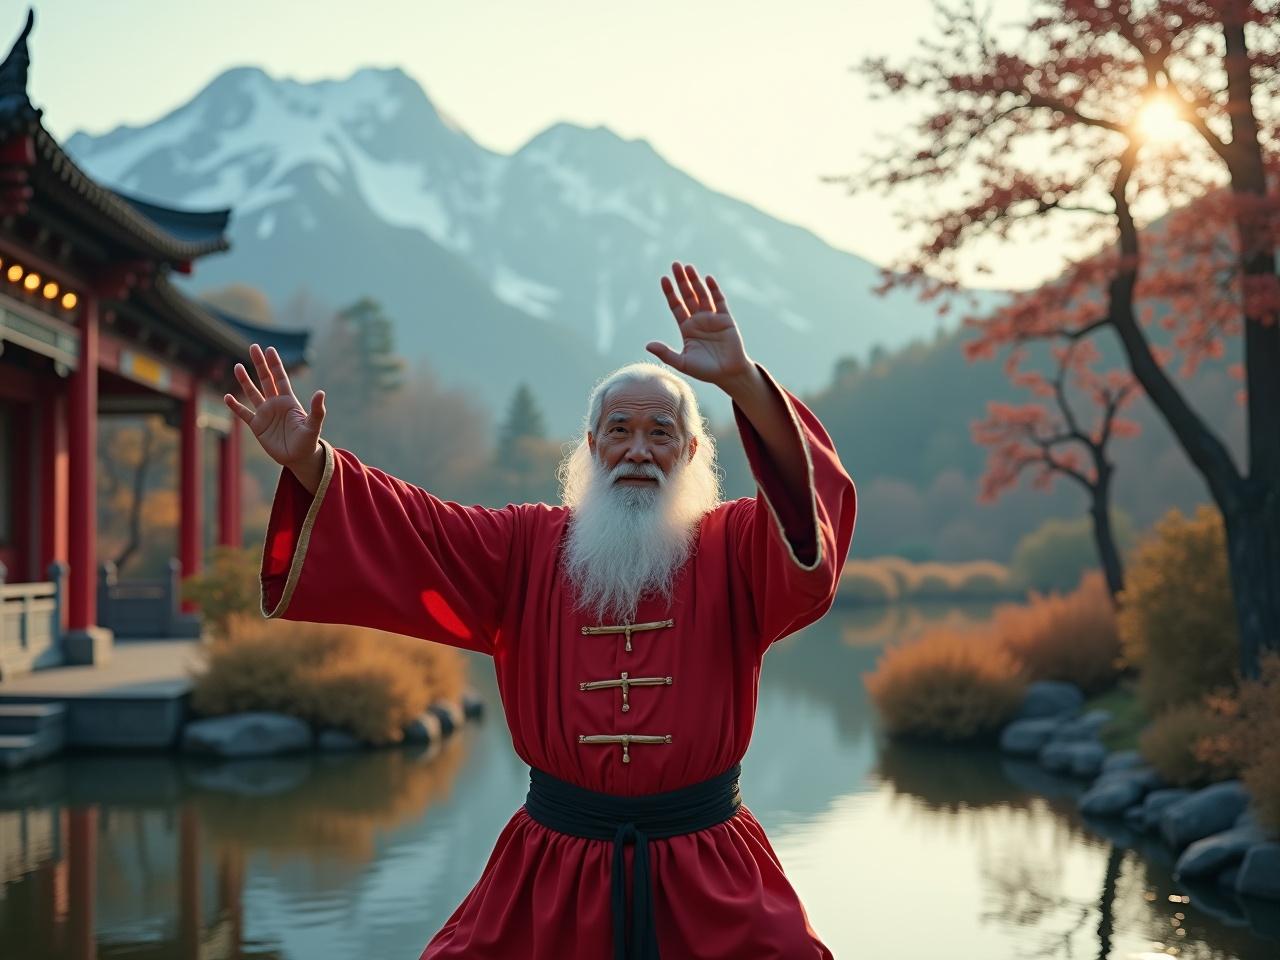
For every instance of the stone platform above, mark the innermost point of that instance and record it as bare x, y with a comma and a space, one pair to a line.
137, 699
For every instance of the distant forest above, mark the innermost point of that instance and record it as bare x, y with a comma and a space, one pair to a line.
900, 420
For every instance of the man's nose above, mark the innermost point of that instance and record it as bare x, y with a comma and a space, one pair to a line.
638, 451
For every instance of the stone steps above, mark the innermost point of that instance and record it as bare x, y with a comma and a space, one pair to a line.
30, 732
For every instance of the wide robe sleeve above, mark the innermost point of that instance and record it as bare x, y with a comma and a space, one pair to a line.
372, 550
789, 553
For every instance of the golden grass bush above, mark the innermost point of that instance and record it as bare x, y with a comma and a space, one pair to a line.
366, 682
1072, 637
946, 685
226, 590
1185, 744
1177, 619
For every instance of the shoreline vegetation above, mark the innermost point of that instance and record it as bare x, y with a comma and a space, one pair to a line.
1140, 693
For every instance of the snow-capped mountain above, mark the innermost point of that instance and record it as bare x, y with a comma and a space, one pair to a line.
542, 265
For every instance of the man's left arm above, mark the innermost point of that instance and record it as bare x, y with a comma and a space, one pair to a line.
767, 412
791, 540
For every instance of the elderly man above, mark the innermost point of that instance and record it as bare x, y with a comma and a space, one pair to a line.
627, 628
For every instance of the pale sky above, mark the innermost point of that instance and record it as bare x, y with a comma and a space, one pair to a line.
754, 98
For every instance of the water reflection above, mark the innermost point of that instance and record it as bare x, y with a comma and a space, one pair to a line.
897, 851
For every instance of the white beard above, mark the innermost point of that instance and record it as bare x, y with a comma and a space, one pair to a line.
627, 541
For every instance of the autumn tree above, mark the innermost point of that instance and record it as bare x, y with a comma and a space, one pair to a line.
1053, 439
1150, 129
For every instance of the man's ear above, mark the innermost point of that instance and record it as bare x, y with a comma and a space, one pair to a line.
591, 442
693, 447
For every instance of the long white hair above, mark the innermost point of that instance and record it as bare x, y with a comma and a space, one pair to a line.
625, 542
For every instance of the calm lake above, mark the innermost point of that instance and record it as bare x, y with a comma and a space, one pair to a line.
897, 853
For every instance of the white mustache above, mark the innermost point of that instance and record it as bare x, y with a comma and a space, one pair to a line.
640, 470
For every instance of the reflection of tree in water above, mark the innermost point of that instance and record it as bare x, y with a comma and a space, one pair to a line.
947, 778
1019, 894
335, 805
1134, 897
969, 791
876, 625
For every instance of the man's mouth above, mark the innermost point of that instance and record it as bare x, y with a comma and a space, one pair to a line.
634, 479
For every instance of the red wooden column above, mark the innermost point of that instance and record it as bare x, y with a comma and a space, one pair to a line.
229, 486
85, 641
191, 522
54, 477
82, 851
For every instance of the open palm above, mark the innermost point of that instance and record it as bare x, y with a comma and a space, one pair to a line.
284, 429
712, 348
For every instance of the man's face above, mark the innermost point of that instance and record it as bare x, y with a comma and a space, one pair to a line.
639, 430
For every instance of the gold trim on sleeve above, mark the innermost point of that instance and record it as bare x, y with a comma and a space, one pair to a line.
626, 739
304, 539
813, 493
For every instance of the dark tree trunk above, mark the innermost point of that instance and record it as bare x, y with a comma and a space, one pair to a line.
1253, 550
1104, 539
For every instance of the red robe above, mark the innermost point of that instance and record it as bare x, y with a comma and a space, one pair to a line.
372, 550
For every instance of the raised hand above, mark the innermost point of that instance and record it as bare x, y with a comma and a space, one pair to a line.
712, 346
284, 429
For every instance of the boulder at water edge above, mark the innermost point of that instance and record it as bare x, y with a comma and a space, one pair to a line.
1146, 816
1049, 698
1211, 810
247, 735
338, 741
1115, 792
424, 728
1086, 759
1122, 760
1259, 874
1025, 738
1215, 852
1084, 727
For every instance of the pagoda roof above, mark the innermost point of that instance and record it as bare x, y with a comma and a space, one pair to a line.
289, 343
146, 228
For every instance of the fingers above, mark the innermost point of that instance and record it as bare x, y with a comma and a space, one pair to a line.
678, 309
699, 288
276, 365
717, 297
687, 294
251, 392
238, 408
316, 417
665, 354
269, 388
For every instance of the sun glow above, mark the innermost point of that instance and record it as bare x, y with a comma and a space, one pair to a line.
1160, 119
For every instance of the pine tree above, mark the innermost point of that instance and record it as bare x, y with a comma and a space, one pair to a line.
380, 370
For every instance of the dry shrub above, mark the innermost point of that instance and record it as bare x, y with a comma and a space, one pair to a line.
1072, 637
1177, 619
1255, 739
947, 684
1188, 744
226, 590
364, 681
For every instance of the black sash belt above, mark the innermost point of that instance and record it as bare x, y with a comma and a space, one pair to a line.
580, 812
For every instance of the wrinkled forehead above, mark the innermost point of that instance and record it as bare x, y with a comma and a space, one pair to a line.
643, 400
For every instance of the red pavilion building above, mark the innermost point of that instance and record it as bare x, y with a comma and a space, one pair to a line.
91, 322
